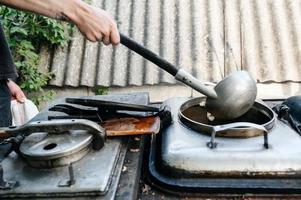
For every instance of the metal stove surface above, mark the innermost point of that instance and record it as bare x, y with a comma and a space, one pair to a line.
184, 151
96, 175
92, 175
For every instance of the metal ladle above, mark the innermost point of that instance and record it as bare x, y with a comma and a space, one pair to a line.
230, 98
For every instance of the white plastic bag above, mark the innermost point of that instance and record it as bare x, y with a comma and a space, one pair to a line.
22, 112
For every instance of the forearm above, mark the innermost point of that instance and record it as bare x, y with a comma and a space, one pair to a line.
94, 23
58, 9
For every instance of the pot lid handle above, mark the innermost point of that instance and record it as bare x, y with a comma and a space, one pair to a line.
247, 125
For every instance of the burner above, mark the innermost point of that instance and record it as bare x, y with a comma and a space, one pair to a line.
68, 157
43, 150
185, 152
194, 115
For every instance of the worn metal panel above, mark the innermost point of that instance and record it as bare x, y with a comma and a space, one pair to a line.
232, 43
251, 56
135, 68
269, 49
209, 38
168, 37
74, 59
216, 39
200, 46
152, 40
184, 52
186, 153
295, 16
89, 63
119, 70
58, 66
104, 73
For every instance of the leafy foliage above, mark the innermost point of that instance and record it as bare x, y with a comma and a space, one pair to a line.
26, 33
101, 91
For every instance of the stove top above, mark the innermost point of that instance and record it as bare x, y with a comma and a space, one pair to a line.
67, 165
181, 160
91, 175
186, 150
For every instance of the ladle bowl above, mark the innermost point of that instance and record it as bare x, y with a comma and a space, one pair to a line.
236, 94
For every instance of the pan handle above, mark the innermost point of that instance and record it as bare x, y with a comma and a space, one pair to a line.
56, 127
248, 125
178, 73
243, 125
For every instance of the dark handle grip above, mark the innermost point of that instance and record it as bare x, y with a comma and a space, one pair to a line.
147, 54
112, 105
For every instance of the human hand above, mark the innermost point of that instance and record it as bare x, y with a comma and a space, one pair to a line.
16, 91
96, 25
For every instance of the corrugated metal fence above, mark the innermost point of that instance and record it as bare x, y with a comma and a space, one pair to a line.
209, 38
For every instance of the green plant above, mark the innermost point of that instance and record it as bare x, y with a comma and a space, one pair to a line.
26, 33
101, 90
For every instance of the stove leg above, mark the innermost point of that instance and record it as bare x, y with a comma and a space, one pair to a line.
212, 144
70, 181
6, 184
265, 142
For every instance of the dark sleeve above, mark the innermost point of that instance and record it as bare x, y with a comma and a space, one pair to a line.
7, 67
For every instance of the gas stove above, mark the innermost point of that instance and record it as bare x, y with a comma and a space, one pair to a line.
195, 155
202, 155
62, 163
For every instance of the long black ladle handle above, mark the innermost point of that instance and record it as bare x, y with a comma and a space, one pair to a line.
179, 74
149, 55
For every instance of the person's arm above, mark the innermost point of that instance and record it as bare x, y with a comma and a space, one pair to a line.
94, 23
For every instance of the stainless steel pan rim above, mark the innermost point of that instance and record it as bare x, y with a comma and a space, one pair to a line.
231, 132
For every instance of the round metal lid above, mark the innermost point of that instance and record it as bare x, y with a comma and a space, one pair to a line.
44, 146
194, 115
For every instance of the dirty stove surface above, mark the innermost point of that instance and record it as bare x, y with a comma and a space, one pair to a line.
181, 162
177, 159
96, 175
186, 150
